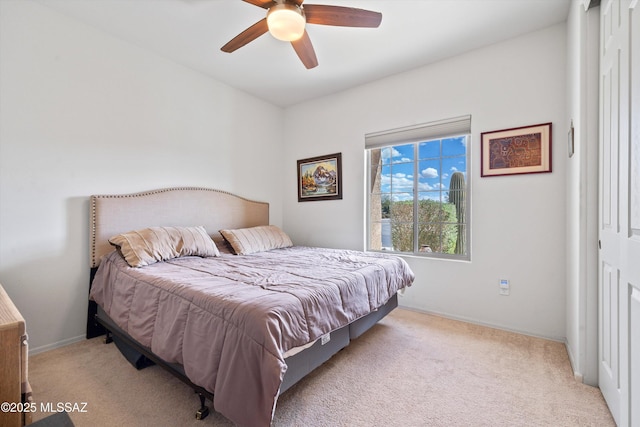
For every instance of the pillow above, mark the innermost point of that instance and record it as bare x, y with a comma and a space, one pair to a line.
150, 245
221, 243
246, 241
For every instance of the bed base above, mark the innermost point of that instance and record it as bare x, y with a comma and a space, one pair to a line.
141, 357
298, 366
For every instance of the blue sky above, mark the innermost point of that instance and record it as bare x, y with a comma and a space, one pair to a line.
433, 174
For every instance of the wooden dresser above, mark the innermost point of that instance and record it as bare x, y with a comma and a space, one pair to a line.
14, 386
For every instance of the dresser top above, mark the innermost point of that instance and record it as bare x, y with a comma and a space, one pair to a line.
10, 317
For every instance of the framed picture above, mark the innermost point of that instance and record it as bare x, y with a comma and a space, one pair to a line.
320, 178
519, 150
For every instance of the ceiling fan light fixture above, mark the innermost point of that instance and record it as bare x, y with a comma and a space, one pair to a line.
286, 22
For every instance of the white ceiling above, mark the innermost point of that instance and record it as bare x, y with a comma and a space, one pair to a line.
413, 33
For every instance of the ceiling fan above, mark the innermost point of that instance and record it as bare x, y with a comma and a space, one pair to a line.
286, 21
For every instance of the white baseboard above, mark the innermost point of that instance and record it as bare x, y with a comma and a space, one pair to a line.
576, 375
55, 345
480, 323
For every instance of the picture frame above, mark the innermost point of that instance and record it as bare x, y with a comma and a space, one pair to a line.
520, 150
320, 178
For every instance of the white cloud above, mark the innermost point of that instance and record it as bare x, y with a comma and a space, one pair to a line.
423, 186
401, 182
429, 173
389, 154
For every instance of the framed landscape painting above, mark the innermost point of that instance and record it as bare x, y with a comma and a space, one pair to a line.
519, 150
320, 178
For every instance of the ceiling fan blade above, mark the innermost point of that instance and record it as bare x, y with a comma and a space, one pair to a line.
265, 4
341, 16
248, 35
305, 51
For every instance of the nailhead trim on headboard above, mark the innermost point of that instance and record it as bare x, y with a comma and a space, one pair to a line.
93, 210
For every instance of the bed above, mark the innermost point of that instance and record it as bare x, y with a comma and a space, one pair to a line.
198, 281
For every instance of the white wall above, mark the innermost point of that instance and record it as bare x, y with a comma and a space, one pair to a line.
84, 113
518, 222
582, 191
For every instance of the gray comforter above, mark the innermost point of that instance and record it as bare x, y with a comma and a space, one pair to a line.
229, 320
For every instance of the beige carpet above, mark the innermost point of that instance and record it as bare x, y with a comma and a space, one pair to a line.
412, 369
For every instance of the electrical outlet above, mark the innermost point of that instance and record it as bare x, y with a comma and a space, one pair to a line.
505, 288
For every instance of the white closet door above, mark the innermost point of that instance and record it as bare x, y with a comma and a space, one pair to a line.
631, 248
619, 222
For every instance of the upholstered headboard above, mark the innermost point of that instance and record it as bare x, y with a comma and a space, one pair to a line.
185, 206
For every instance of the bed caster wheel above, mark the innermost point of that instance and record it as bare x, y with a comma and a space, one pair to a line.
202, 413
108, 338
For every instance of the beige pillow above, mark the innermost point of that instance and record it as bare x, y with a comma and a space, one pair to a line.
246, 241
153, 244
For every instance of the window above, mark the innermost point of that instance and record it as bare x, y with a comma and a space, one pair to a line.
418, 198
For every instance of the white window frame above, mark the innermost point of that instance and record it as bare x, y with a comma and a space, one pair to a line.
416, 134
